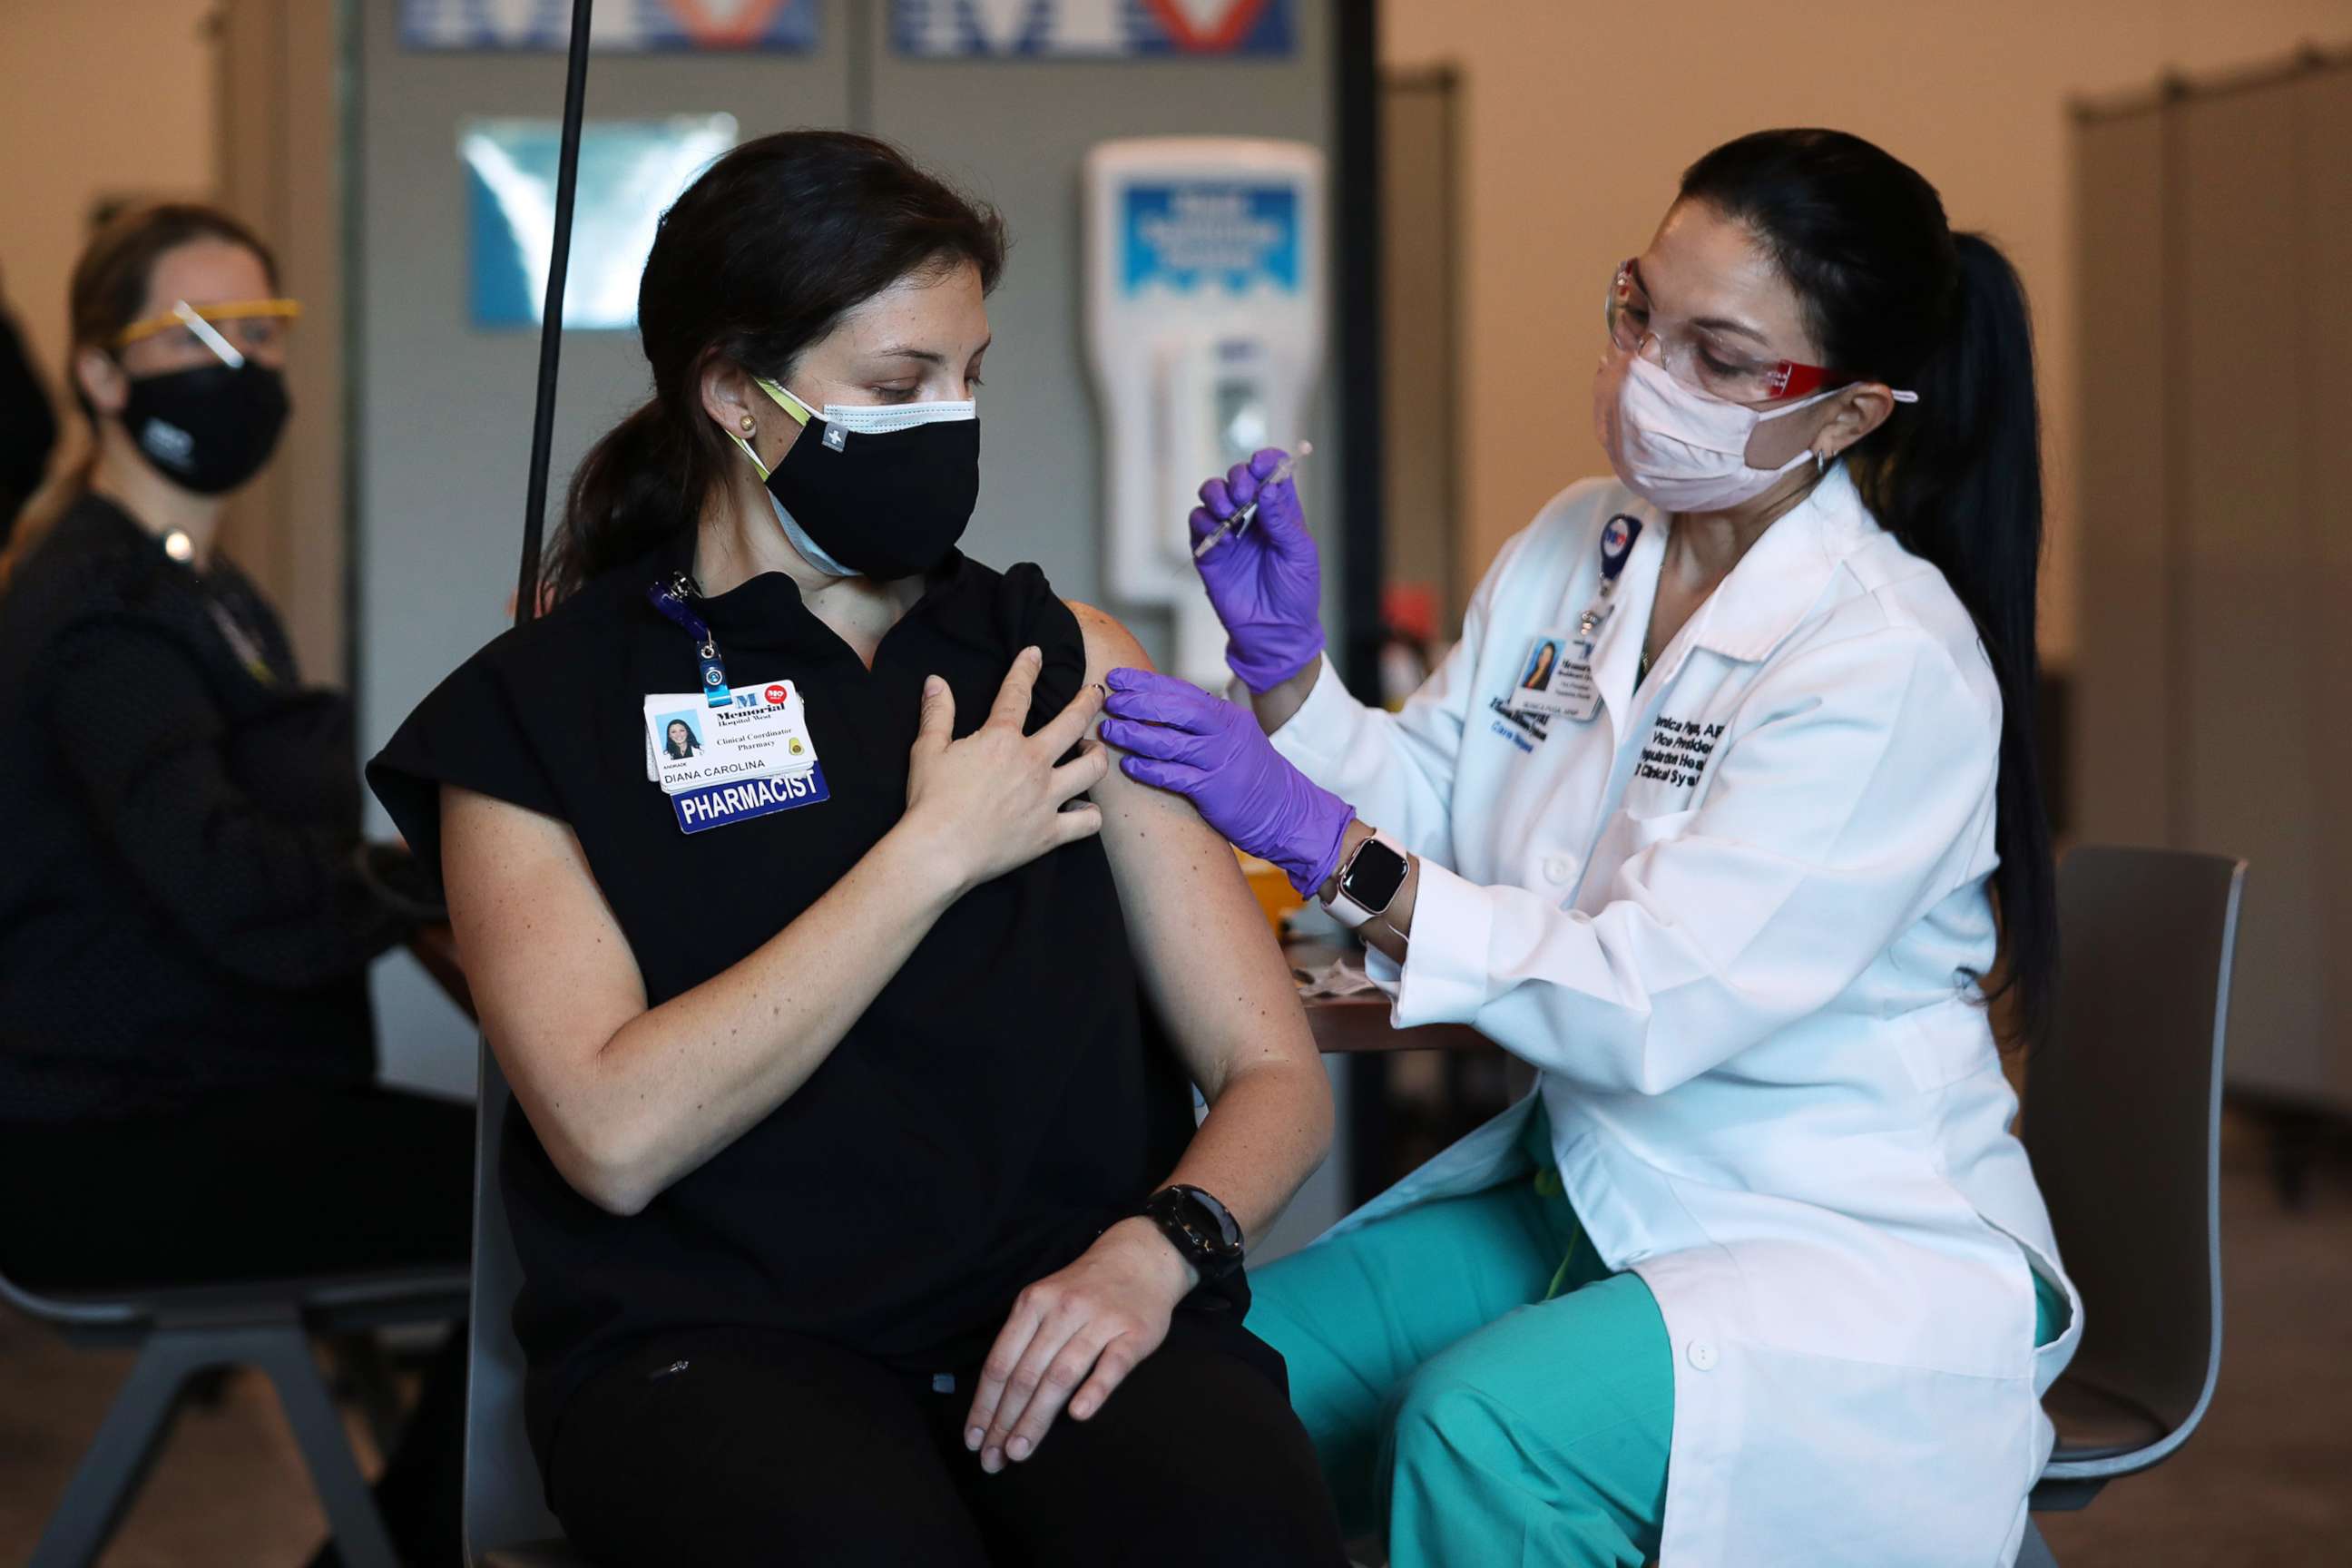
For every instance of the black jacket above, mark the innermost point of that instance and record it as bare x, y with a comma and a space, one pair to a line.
29, 427
183, 904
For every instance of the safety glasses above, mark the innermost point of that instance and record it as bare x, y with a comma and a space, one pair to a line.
1699, 358
230, 330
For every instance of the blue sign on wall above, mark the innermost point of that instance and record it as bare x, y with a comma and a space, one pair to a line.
630, 172
1091, 29
620, 26
1215, 234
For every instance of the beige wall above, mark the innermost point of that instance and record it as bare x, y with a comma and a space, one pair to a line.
97, 98
1577, 119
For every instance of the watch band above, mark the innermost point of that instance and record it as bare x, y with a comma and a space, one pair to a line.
1346, 910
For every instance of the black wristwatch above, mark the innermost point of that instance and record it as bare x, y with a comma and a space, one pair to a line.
1204, 1230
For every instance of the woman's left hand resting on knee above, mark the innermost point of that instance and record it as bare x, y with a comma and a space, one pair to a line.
1219, 983
1073, 1337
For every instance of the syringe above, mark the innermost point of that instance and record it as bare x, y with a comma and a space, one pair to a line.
1249, 514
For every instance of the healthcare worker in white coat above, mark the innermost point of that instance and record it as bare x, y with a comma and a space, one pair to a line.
1758, 1274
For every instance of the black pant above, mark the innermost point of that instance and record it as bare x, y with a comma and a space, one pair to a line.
747, 1447
261, 1184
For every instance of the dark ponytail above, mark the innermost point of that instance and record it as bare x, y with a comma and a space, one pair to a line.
761, 256
1892, 293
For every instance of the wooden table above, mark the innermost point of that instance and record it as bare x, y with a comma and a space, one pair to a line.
1352, 1026
1343, 1026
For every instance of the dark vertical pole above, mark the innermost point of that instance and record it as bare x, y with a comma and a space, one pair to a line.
551, 326
1355, 247
2172, 270
350, 245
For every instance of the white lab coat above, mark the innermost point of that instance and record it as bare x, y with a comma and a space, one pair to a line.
1733, 919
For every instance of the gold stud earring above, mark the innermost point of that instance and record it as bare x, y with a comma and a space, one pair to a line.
749, 424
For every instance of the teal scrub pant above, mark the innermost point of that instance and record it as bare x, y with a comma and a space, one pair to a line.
1478, 1387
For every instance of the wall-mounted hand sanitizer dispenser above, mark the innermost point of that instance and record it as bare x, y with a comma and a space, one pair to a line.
1204, 324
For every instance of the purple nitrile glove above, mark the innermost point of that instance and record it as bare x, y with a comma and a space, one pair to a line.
1264, 581
1214, 755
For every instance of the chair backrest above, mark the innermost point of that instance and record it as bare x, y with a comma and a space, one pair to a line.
504, 1504
2122, 1119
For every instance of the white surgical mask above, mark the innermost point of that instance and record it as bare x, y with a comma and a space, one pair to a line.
880, 418
811, 550
1675, 447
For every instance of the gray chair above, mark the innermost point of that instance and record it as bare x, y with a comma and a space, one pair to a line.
2123, 1118
181, 1333
506, 1522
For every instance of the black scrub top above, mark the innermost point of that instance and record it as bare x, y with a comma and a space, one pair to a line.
1006, 1098
184, 908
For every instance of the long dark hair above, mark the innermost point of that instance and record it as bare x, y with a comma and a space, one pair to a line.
759, 257
107, 294
1891, 293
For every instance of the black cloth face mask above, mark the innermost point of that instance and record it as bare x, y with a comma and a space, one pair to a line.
882, 492
210, 428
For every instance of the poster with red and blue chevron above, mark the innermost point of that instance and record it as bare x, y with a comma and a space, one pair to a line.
616, 27
1091, 29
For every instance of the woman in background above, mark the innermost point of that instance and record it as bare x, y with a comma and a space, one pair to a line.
187, 910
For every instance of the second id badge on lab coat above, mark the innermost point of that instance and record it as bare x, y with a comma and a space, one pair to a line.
1559, 681
720, 765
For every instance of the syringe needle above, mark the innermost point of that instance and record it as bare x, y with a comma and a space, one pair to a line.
1249, 514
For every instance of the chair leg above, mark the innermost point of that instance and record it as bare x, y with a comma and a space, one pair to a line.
365, 1376
118, 1458
285, 1354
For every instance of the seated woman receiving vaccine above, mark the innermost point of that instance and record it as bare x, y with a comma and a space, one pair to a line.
846, 995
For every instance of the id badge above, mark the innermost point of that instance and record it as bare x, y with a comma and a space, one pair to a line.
750, 757
1556, 679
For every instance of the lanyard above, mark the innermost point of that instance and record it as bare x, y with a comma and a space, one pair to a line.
673, 600
241, 642
1616, 549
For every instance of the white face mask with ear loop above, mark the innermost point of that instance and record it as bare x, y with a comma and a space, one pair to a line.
1680, 449
871, 418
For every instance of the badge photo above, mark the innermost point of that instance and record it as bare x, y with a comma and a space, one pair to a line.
680, 735
1555, 678
1540, 664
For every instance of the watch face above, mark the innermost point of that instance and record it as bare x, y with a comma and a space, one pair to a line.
1203, 1224
1207, 1224
1373, 876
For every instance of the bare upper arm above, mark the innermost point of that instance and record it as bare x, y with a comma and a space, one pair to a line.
1209, 961
552, 976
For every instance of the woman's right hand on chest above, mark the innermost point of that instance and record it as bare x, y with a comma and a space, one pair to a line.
998, 798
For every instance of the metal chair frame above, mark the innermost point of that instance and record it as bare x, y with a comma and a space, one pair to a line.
180, 1333
2076, 1473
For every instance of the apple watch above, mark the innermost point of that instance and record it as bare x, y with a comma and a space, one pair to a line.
1369, 881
